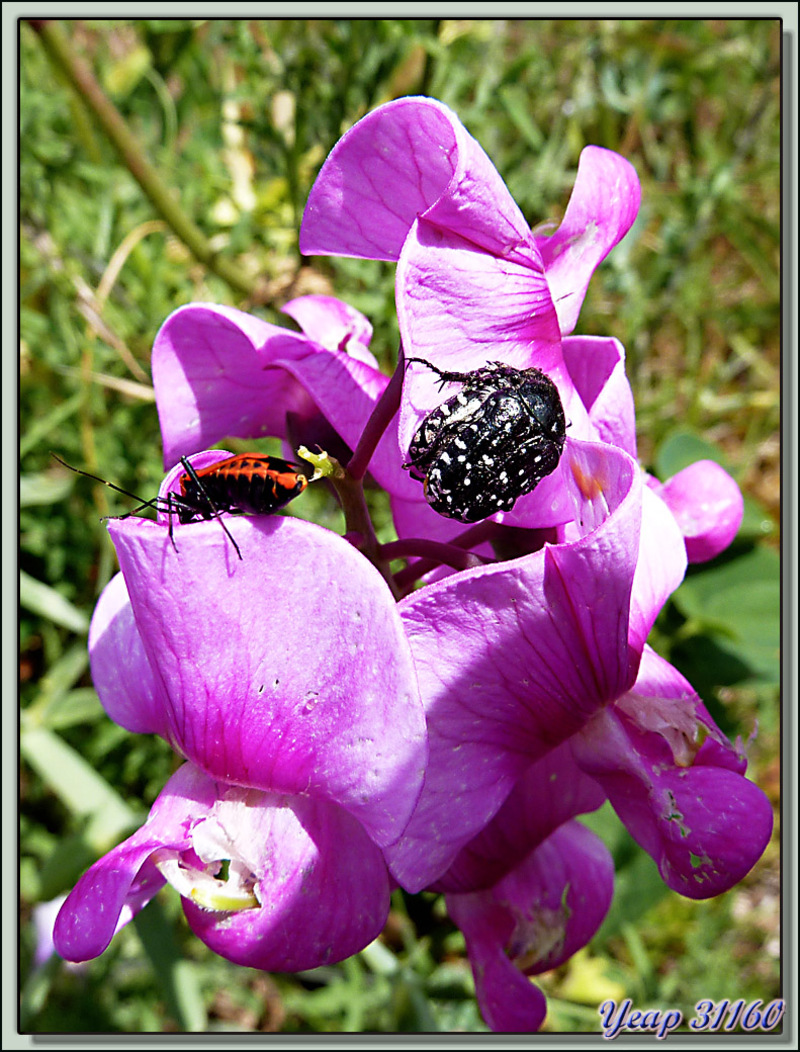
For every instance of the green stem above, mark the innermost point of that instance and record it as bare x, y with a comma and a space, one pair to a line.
83, 82
358, 524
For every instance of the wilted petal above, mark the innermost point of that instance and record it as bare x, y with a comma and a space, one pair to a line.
513, 658
532, 920
604, 203
676, 784
287, 670
707, 505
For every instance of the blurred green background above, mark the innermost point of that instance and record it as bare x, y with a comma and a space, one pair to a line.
236, 117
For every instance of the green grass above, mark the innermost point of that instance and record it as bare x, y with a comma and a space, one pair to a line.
693, 294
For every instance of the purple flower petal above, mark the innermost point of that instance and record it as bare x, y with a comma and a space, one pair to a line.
212, 378
122, 675
287, 670
460, 307
534, 919
659, 570
323, 887
676, 784
305, 885
552, 791
510, 315
408, 158
333, 324
122, 882
596, 367
602, 208
708, 507
513, 658
509, 1002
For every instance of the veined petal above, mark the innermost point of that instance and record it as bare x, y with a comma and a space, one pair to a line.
212, 378
460, 307
513, 658
407, 158
604, 203
675, 784
287, 670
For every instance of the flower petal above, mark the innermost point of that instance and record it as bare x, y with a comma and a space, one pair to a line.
708, 507
461, 307
513, 658
596, 367
406, 158
125, 683
212, 378
334, 325
604, 203
323, 887
660, 568
675, 784
551, 791
287, 670
534, 919
117, 886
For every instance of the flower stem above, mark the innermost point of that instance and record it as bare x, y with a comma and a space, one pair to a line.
380, 418
359, 530
470, 538
358, 525
82, 81
436, 551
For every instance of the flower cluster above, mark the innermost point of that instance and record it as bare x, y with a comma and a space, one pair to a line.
346, 729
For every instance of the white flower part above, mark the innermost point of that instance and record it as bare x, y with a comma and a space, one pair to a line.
227, 881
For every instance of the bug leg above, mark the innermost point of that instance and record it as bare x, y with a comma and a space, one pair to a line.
171, 506
445, 377
216, 512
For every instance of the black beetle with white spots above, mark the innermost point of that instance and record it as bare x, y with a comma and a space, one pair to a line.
489, 444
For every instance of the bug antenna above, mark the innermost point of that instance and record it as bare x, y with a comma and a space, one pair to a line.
79, 471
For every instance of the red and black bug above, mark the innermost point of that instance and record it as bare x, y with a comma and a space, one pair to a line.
245, 484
